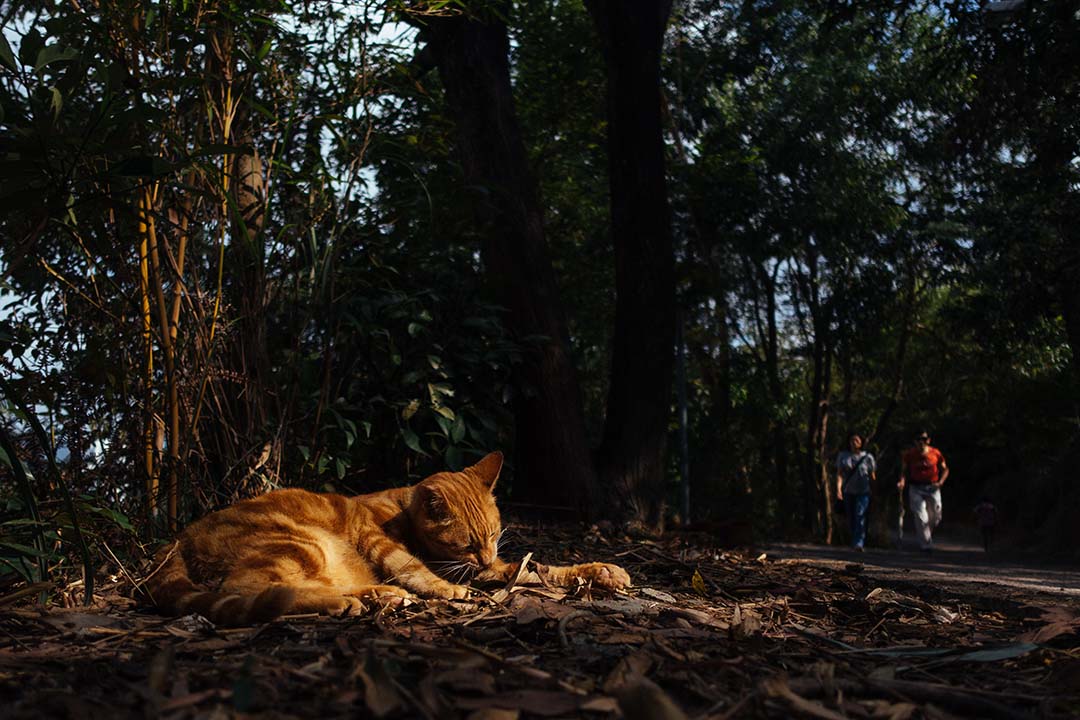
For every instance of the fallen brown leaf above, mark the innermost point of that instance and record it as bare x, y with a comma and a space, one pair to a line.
629, 668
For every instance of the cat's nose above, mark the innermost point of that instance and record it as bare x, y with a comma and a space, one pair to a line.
487, 556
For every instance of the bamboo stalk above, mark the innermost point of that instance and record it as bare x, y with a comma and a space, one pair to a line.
148, 367
229, 111
181, 252
149, 201
179, 291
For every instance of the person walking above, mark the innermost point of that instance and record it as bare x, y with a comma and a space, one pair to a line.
856, 469
923, 471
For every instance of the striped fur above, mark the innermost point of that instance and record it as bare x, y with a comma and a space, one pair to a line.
294, 551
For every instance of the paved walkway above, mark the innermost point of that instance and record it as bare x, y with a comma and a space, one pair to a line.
952, 564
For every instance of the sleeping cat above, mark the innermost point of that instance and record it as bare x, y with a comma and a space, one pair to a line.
294, 551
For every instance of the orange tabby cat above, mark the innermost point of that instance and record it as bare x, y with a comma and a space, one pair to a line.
294, 551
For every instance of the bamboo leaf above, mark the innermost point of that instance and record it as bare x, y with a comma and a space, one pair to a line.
57, 102
53, 53
30, 46
7, 56
24, 549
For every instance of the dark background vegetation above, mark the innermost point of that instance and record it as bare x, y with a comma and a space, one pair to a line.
343, 245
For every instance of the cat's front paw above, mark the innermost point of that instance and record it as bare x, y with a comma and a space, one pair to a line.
498, 571
386, 596
344, 606
450, 591
375, 592
605, 575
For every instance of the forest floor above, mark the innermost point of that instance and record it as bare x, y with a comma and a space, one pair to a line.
705, 632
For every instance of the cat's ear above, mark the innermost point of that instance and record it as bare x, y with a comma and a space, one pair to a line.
488, 469
433, 502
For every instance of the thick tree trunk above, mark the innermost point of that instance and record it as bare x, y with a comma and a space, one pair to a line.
553, 463
632, 460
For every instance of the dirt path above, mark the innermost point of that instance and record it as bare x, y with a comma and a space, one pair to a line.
954, 565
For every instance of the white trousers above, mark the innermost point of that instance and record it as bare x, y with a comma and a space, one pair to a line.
925, 504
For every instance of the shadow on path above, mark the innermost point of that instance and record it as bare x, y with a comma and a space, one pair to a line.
951, 564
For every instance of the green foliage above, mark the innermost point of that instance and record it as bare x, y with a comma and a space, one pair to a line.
411, 371
355, 320
35, 541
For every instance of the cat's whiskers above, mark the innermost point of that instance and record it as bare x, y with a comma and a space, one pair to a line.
442, 568
502, 542
447, 569
457, 571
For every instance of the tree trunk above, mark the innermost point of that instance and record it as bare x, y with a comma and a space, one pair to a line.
808, 286
632, 454
248, 265
553, 463
715, 483
817, 498
684, 430
826, 491
778, 446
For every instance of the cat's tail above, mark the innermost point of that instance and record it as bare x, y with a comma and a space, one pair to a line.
171, 589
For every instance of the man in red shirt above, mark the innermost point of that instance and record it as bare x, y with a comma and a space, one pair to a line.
923, 471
